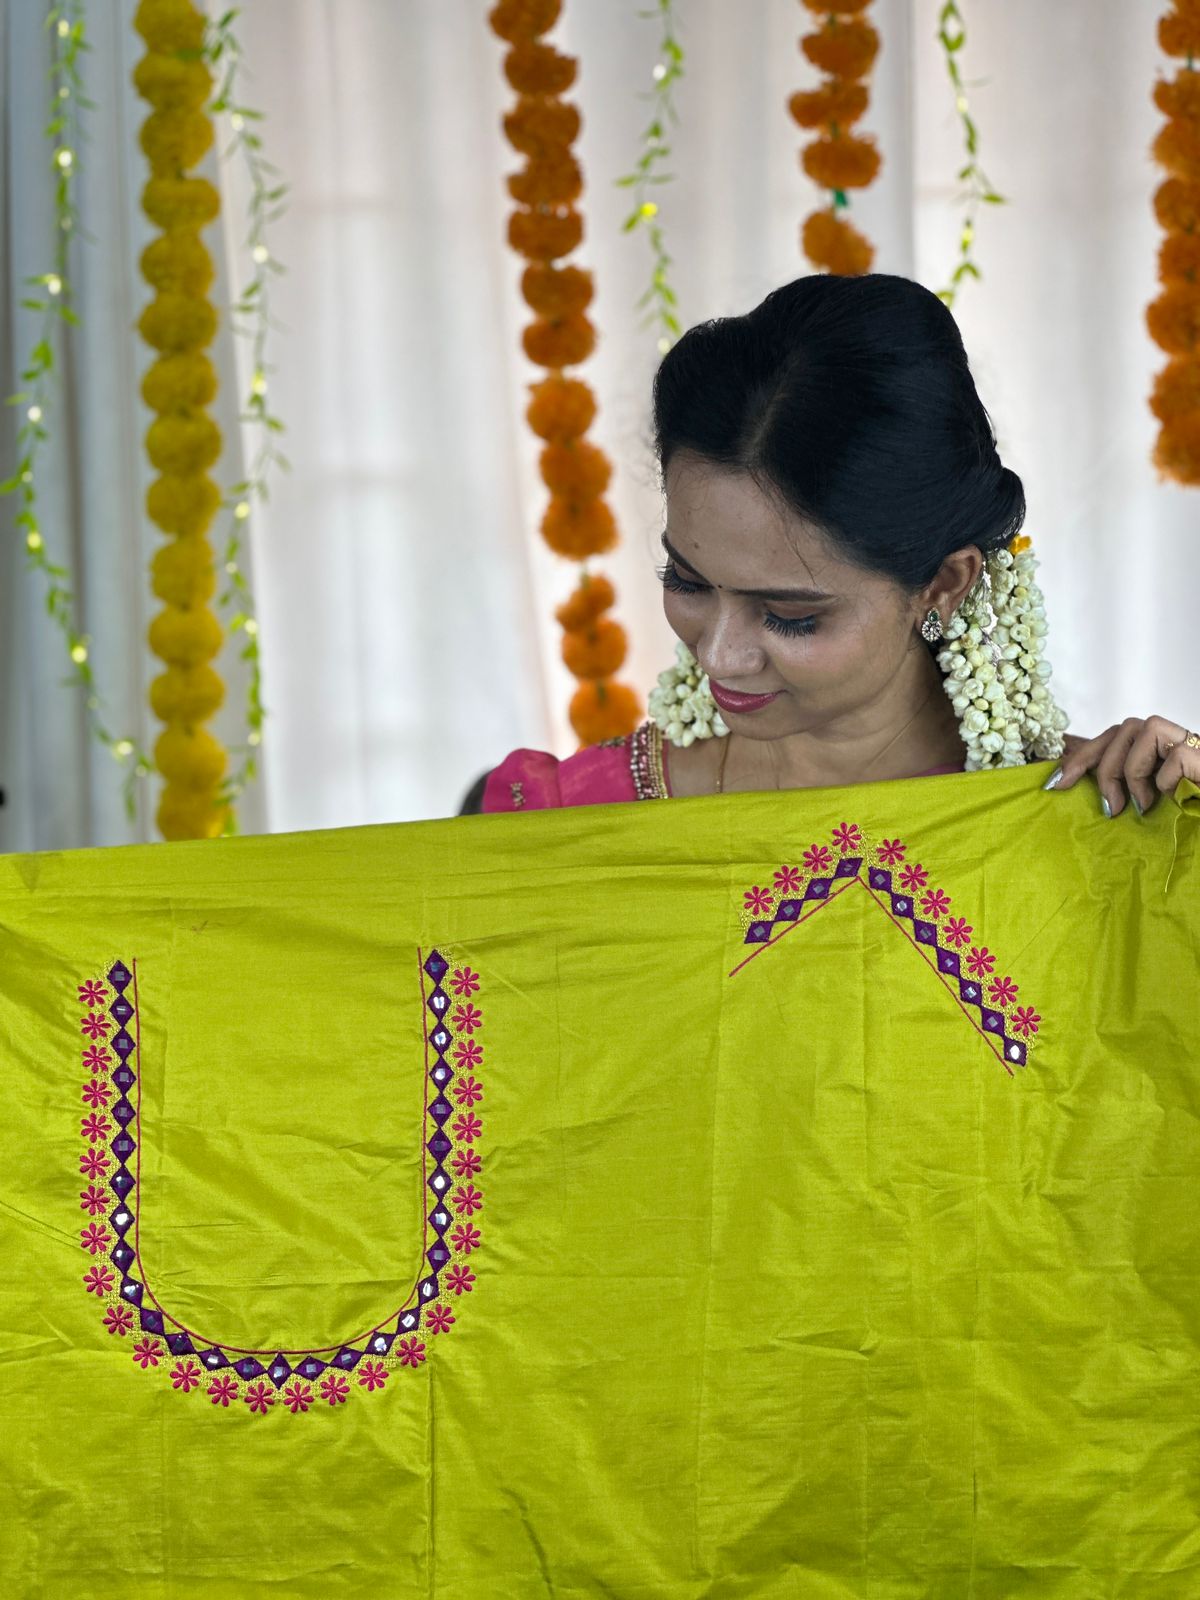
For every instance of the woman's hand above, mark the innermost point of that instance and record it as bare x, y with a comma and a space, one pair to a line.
1146, 756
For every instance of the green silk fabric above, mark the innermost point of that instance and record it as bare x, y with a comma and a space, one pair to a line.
770, 1266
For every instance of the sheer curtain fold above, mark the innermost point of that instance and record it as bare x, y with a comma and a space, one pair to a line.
405, 598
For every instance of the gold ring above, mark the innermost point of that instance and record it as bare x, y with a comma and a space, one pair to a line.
1192, 740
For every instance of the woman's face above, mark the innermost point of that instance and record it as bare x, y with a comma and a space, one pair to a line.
769, 610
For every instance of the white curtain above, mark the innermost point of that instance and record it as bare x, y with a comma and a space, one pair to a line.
405, 599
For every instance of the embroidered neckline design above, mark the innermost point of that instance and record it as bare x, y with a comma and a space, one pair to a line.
272, 1379
646, 762
903, 892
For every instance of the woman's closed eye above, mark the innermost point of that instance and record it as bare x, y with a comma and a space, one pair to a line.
671, 578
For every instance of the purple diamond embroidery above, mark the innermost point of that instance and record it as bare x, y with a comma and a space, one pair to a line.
122, 1044
902, 905
249, 1368
214, 1358
758, 932
119, 975
123, 1077
439, 1181
948, 962
131, 1290
279, 1372
440, 1219
381, 1343
436, 966
439, 1145
410, 1320
437, 1256
347, 1358
926, 932
123, 1255
440, 1109
817, 889
993, 1021
310, 1367
787, 910
180, 1345
123, 1147
152, 1321
969, 990
881, 879
123, 1112
122, 1181
121, 1009
848, 867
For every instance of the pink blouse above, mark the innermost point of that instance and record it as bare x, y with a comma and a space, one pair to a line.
633, 768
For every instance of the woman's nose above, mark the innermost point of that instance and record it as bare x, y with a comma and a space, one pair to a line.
729, 651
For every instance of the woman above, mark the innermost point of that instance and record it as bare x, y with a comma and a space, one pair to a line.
838, 524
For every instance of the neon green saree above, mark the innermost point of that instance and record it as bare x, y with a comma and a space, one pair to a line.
769, 1195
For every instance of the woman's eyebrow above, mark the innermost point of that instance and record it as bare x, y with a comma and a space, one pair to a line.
801, 596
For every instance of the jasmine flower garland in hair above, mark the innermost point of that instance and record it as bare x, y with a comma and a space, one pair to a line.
681, 705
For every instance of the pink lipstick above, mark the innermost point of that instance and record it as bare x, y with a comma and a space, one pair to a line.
729, 701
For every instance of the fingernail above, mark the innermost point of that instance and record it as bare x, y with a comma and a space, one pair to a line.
1138, 805
1053, 778
1107, 809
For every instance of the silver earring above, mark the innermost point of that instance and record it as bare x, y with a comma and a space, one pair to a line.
931, 628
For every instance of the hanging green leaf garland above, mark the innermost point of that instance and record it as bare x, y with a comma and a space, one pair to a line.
952, 35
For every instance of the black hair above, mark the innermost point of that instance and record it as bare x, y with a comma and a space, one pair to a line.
852, 399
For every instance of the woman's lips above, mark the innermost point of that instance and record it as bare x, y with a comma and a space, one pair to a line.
729, 701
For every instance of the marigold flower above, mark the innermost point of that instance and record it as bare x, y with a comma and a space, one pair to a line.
178, 262
1174, 319
1179, 96
538, 69
190, 814
837, 101
174, 140
843, 163
170, 26
1179, 30
183, 572
604, 711
523, 19
577, 471
1177, 450
844, 50
590, 600
178, 322
549, 181
180, 202
193, 760
832, 244
1177, 148
182, 505
183, 445
578, 529
545, 235
1177, 205
1177, 390
184, 381
540, 127
554, 291
560, 409
185, 637
562, 343
1179, 256
595, 651
186, 694
169, 83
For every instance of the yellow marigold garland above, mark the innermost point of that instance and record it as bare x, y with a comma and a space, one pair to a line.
578, 522
183, 442
1174, 317
844, 48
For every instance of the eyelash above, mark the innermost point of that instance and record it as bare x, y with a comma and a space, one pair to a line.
790, 627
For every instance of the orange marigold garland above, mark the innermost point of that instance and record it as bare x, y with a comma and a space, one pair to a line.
1174, 317
183, 442
844, 48
547, 226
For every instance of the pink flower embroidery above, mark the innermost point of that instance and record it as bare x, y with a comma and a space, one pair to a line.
465, 1238
914, 877
1024, 1021
467, 1091
185, 1376
93, 1163
95, 1025
468, 1127
847, 837
93, 1200
412, 1352
92, 994
818, 858
99, 1280
464, 981
935, 903
95, 1129
957, 932
94, 1238
787, 880
147, 1353
96, 1094
980, 962
222, 1390
118, 1320
259, 1398
372, 1375
297, 1397
468, 1054
461, 1280
891, 851
335, 1389
440, 1318
758, 901
467, 1199
467, 1018
466, 1163
1004, 991
96, 1059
